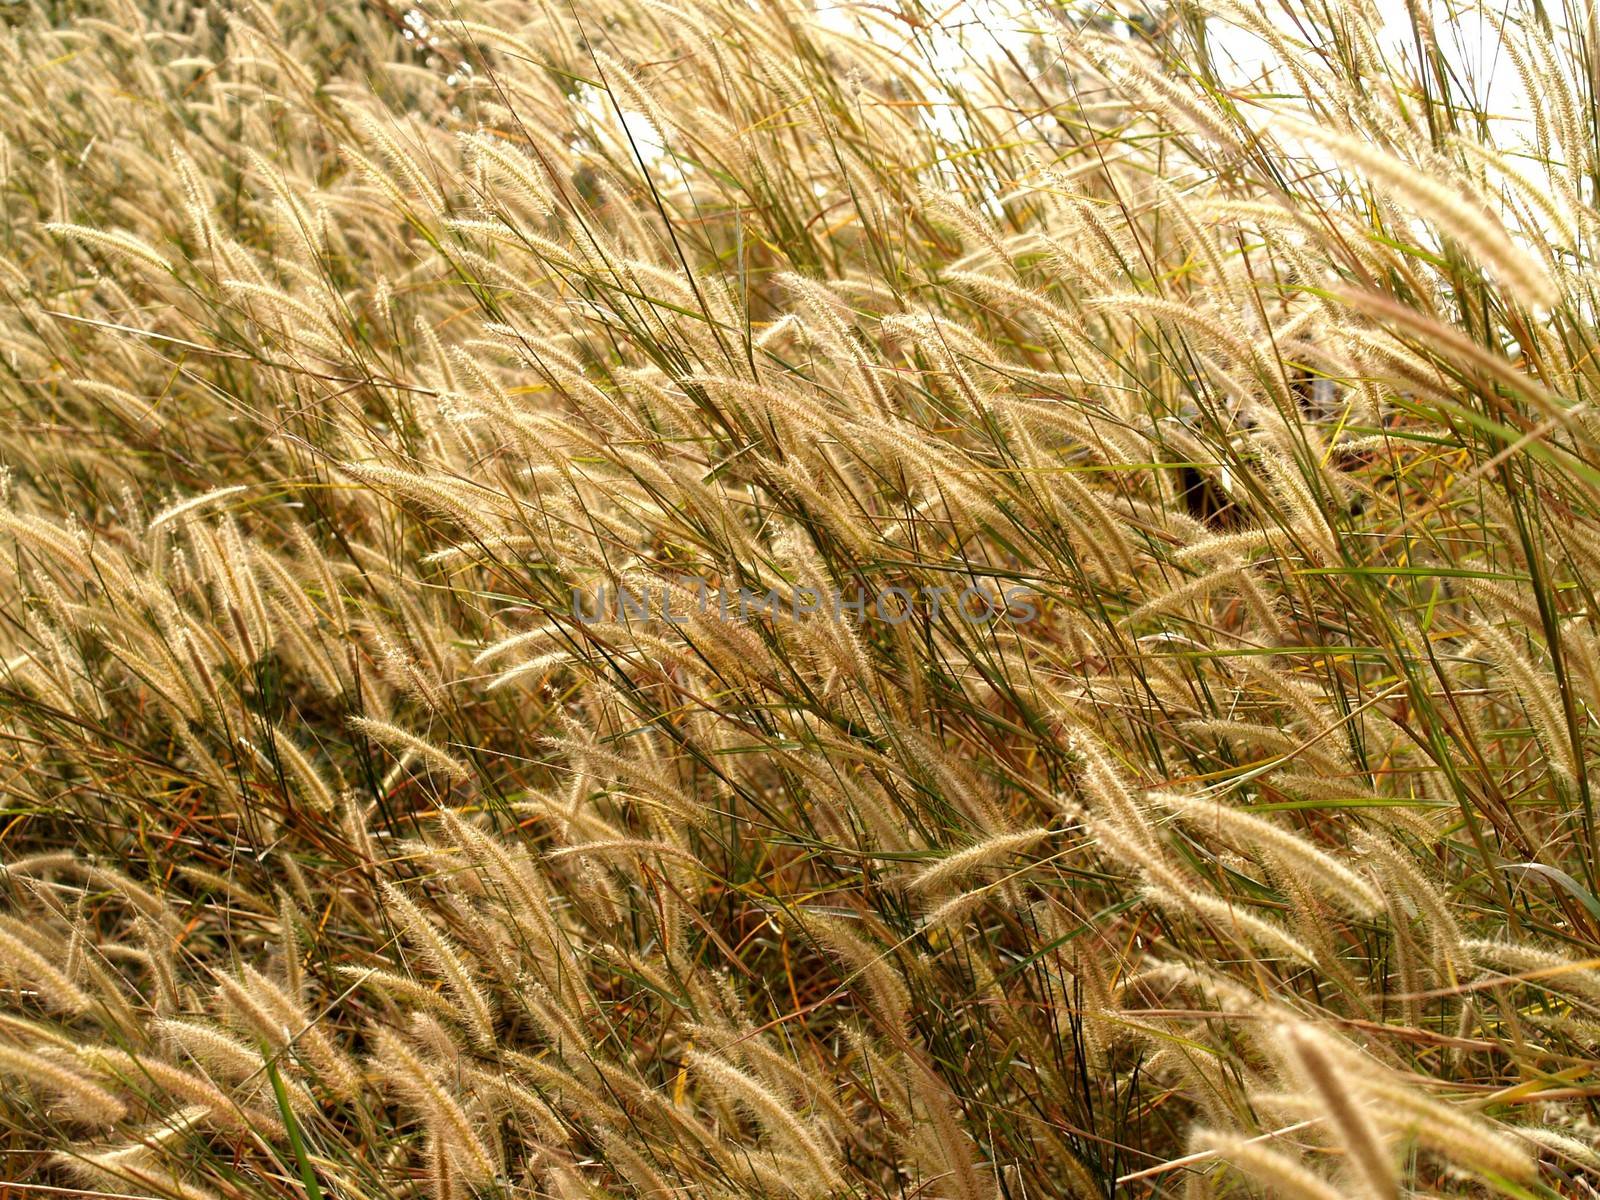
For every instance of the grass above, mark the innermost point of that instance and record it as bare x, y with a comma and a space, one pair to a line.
1175, 779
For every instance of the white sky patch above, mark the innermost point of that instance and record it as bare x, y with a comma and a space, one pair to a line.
970, 34
632, 126
646, 139
1470, 41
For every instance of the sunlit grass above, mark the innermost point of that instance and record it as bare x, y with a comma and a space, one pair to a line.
1178, 785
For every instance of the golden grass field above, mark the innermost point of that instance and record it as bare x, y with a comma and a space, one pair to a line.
1191, 796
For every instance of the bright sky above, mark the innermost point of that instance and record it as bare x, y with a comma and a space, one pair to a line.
1469, 40
978, 29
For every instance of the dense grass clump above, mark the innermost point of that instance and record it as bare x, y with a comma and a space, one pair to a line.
1109, 671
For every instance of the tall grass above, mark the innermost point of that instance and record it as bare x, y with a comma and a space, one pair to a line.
1224, 826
